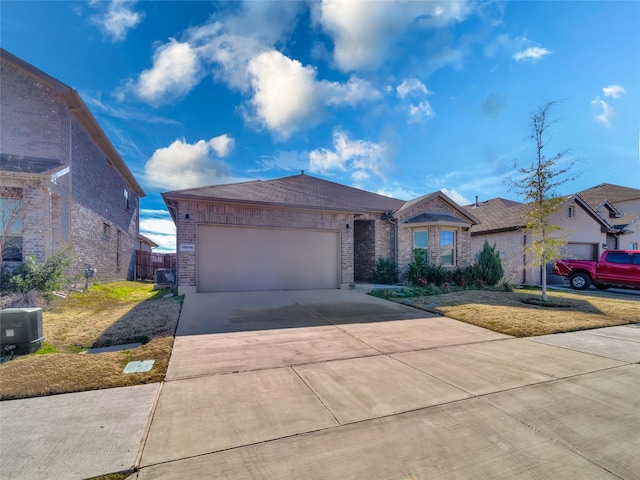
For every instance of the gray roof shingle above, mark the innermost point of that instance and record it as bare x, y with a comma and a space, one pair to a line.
298, 190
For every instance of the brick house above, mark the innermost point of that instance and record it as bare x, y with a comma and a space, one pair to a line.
62, 181
302, 232
591, 224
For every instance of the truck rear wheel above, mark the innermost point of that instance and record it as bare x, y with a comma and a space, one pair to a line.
580, 281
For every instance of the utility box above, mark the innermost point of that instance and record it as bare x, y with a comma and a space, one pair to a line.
21, 330
165, 276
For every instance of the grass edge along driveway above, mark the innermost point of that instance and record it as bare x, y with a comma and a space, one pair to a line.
509, 313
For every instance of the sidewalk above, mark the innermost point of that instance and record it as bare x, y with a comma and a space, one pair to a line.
346, 386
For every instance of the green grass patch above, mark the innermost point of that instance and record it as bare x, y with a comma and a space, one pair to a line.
46, 349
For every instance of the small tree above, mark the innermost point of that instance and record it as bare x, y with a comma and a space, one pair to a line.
489, 267
537, 183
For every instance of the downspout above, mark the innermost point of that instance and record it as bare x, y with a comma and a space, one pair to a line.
394, 235
174, 209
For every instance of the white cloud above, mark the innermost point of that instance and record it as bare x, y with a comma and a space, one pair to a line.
222, 145
118, 19
532, 53
414, 88
160, 229
362, 157
614, 91
176, 70
420, 112
291, 160
455, 196
287, 97
187, 165
233, 40
411, 86
356, 90
399, 191
606, 112
363, 31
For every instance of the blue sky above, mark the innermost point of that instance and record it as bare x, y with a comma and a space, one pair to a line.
401, 98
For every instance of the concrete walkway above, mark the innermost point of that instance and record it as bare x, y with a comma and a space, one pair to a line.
335, 385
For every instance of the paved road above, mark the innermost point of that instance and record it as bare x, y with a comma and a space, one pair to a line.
339, 385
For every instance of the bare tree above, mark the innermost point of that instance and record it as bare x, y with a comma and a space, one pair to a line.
538, 184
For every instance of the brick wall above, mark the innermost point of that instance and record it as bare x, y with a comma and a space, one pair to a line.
463, 246
224, 214
34, 118
364, 243
97, 191
36, 123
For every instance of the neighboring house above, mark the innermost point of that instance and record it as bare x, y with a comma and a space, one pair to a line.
146, 244
502, 221
62, 181
302, 232
620, 207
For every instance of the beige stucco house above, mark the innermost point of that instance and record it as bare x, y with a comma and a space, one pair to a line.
591, 224
620, 207
302, 232
61, 179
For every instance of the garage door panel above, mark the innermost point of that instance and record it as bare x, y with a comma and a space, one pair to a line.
242, 259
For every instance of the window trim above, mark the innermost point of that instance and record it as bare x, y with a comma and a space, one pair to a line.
450, 250
425, 248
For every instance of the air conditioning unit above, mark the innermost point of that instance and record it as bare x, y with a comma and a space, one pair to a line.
21, 330
165, 276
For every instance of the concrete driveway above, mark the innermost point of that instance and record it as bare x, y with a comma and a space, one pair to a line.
338, 385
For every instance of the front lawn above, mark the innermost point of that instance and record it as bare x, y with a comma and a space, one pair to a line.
104, 315
509, 312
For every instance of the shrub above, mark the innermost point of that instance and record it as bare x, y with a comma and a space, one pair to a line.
489, 269
43, 277
386, 271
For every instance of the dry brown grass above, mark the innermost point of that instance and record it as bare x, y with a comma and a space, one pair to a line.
112, 314
505, 312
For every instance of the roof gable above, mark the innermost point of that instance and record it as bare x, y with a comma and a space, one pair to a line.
431, 204
599, 194
79, 109
295, 191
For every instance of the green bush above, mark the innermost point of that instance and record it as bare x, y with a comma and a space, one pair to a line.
386, 272
489, 267
43, 277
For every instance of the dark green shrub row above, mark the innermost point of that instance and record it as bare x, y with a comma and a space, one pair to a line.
487, 271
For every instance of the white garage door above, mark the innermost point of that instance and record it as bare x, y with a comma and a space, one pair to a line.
241, 258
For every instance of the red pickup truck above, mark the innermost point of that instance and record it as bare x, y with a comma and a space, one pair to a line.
616, 268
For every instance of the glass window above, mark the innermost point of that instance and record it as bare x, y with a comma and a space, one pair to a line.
118, 241
126, 199
633, 245
421, 239
447, 247
618, 257
421, 244
571, 212
11, 228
